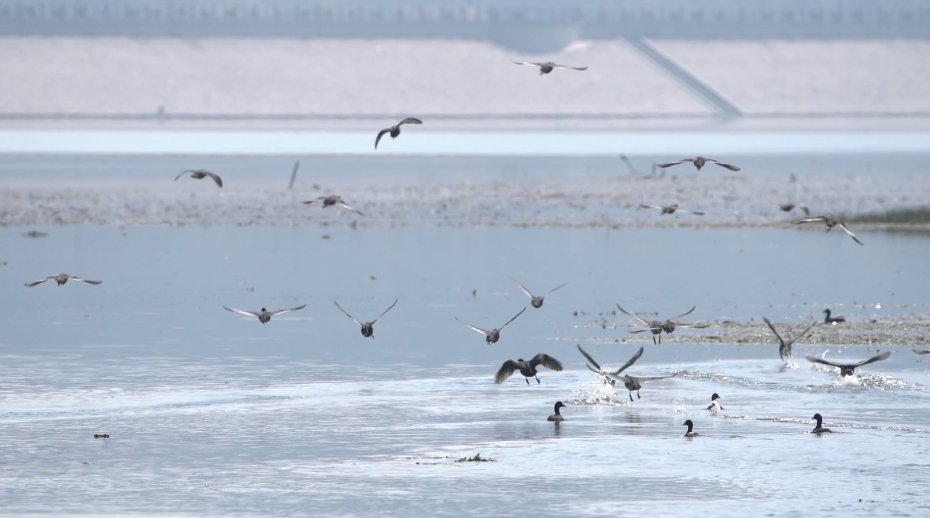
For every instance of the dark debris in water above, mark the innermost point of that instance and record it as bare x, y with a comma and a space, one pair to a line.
476, 458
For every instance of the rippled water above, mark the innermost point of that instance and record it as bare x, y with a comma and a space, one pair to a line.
211, 413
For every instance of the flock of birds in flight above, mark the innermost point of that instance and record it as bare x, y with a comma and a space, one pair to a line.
530, 368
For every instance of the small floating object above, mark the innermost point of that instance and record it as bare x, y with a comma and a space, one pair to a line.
101, 436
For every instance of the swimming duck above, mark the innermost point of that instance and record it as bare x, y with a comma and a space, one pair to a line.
368, 329
395, 129
819, 428
829, 319
831, 222
199, 174
699, 162
848, 369
921, 351
784, 347
492, 335
61, 279
547, 66
527, 368
635, 383
690, 432
536, 300
595, 367
715, 406
263, 315
557, 416
669, 209
333, 199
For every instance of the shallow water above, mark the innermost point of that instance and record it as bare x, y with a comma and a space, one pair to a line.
212, 413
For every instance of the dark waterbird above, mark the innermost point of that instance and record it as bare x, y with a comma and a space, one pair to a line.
331, 200
830, 319
715, 405
368, 328
818, 429
557, 416
690, 432
595, 367
61, 279
536, 300
527, 368
848, 369
669, 209
263, 315
656, 327
200, 174
394, 130
492, 335
788, 207
635, 383
546, 66
784, 346
699, 162
831, 222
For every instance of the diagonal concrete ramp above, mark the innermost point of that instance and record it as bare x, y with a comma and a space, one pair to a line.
703, 90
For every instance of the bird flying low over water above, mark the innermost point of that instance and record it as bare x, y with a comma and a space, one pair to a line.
368, 329
699, 162
263, 315
595, 367
492, 335
199, 174
527, 368
658, 326
61, 279
788, 207
848, 369
831, 222
635, 383
546, 66
536, 300
669, 209
784, 346
394, 130
333, 200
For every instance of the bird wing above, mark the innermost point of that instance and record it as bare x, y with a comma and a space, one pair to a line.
348, 207
410, 120
629, 362
475, 328
670, 164
853, 236
731, 167
556, 65
88, 281
807, 212
809, 220
546, 361
653, 378
796, 338
780, 339
526, 63
38, 282
512, 319
695, 212
182, 173
824, 362
641, 321
216, 178
385, 311
921, 351
621, 379
381, 134
506, 370
241, 311
876, 358
591, 360
647, 206
557, 287
347, 313
686, 313
280, 311
692, 326
524, 288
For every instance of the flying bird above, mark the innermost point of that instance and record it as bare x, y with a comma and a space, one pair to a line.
527, 368
557, 416
61, 279
333, 200
635, 383
200, 174
536, 300
819, 428
788, 207
669, 209
831, 222
547, 66
595, 367
658, 326
263, 315
368, 329
848, 369
699, 162
784, 346
492, 335
921, 351
829, 319
395, 129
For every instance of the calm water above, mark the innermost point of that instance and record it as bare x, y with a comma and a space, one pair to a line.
211, 413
